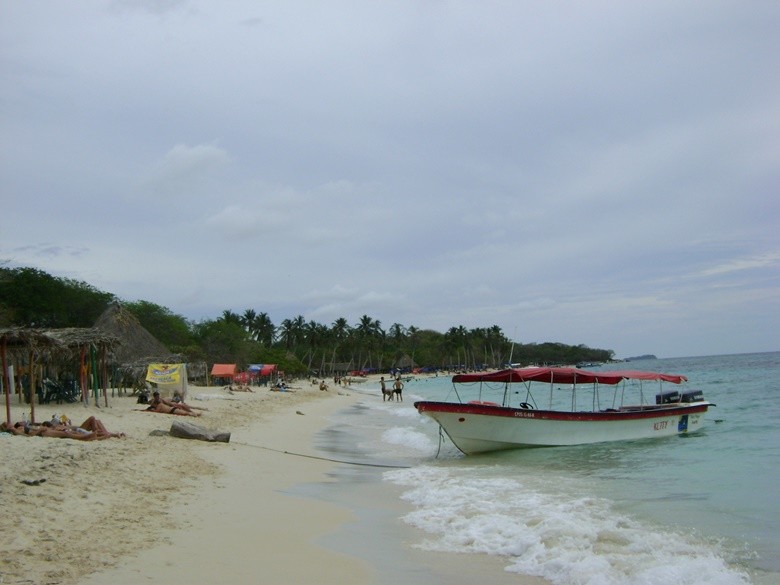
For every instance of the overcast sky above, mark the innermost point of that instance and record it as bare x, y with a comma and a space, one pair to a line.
603, 173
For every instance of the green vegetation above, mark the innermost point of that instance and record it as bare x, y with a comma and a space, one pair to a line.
32, 298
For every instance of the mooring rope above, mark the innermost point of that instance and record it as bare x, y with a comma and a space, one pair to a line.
440, 440
357, 463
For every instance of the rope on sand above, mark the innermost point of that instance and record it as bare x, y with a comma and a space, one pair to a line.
357, 463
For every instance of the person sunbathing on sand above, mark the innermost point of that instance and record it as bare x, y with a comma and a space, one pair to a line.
19, 428
77, 435
91, 425
169, 407
91, 429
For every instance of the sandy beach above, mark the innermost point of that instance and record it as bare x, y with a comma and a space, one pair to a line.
152, 508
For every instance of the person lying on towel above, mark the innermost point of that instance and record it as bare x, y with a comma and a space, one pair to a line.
169, 407
91, 429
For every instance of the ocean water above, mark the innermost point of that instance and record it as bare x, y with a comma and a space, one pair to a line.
697, 509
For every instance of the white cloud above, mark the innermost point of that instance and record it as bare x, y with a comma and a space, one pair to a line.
766, 260
183, 167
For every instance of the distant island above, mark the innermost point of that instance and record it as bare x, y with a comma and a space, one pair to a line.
648, 356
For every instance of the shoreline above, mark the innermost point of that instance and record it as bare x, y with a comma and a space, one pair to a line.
156, 509
243, 524
100, 505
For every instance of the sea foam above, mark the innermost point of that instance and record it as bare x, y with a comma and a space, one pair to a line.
410, 438
567, 540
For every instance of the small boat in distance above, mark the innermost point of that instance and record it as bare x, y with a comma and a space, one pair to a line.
479, 426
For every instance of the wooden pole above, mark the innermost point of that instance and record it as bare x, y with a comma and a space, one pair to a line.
94, 369
83, 374
104, 370
18, 383
32, 388
6, 385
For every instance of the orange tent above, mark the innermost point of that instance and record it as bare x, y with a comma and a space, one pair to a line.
223, 371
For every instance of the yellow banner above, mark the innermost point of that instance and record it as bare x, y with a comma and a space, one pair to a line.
164, 373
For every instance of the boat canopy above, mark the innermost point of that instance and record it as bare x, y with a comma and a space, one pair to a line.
564, 376
636, 375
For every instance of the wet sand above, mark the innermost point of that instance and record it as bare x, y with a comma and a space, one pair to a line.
150, 508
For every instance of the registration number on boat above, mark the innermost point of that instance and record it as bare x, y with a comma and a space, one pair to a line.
524, 414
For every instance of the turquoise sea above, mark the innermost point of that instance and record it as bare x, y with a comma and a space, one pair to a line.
702, 508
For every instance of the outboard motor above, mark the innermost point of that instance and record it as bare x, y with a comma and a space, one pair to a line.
668, 397
692, 396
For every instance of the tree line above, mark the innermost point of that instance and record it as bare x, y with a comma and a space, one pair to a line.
32, 298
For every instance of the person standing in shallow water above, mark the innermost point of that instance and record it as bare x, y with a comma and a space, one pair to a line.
398, 387
386, 394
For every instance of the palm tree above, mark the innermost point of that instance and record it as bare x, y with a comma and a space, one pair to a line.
413, 334
497, 342
315, 335
265, 329
340, 330
291, 332
229, 316
339, 335
365, 326
248, 320
369, 331
456, 339
286, 333
397, 333
463, 338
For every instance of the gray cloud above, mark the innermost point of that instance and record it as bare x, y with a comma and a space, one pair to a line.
602, 174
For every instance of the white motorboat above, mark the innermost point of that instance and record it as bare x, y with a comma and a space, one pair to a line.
479, 425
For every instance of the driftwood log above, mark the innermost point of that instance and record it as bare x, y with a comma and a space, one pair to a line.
186, 430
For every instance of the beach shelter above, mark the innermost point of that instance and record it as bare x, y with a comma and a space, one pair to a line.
223, 371
46, 345
137, 348
136, 344
259, 370
168, 378
22, 340
93, 347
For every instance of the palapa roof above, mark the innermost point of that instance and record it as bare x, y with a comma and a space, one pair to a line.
23, 337
55, 341
136, 346
405, 361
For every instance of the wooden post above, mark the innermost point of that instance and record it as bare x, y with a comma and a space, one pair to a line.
94, 369
6, 385
32, 388
104, 371
83, 374
18, 383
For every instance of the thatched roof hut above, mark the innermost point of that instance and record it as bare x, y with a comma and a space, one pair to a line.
54, 343
32, 345
405, 361
136, 346
24, 338
72, 339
